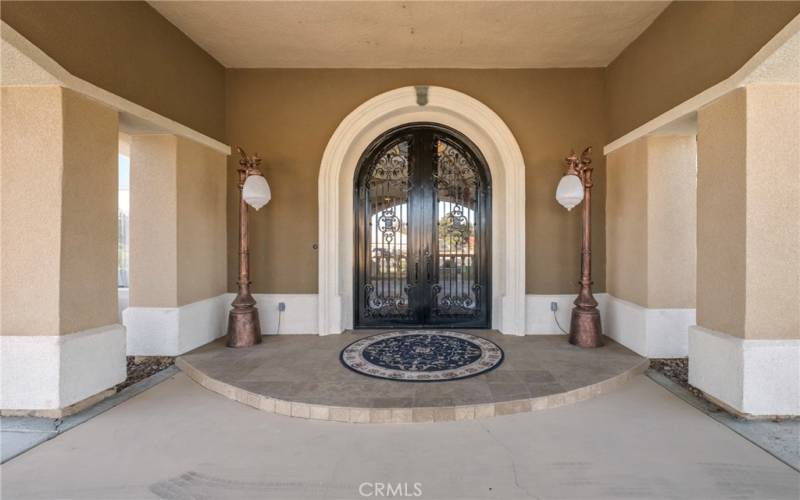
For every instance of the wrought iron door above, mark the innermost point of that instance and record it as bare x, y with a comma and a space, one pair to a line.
422, 233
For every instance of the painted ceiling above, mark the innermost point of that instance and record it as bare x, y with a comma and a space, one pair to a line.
421, 34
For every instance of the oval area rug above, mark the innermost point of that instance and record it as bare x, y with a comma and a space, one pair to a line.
422, 355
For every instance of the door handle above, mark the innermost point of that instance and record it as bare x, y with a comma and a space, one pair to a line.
428, 264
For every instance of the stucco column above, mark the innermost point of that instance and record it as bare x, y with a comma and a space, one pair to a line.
650, 244
745, 349
178, 254
61, 343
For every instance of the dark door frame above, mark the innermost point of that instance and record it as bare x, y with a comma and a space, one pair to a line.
466, 147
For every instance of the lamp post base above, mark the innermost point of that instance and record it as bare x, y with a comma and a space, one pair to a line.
585, 329
244, 328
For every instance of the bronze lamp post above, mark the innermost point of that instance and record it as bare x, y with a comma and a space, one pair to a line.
244, 328
574, 187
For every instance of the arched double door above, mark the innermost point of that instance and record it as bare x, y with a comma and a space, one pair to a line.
422, 212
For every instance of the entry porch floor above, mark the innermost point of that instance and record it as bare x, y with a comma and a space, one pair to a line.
302, 376
179, 441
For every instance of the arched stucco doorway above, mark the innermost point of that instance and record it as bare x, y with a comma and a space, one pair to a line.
459, 112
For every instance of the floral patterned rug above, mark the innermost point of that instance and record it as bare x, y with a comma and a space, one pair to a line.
422, 355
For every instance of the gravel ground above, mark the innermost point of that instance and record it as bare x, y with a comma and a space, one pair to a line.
141, 367
677, 369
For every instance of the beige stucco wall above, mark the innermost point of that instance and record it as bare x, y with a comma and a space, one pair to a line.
288, 116
202, 248
30, 251
721, 213
650, 222
89, 214
671, 221
129, 49
748, 281
59, 212
687, 49
691, 45
178, 222
626, 223
153, 277
773, 212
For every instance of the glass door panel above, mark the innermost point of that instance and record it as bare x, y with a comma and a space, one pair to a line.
422, 202
456, 287
385, 190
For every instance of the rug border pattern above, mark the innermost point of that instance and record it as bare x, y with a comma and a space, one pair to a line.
351, 357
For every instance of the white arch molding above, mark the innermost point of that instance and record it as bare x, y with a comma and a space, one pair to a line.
498, 145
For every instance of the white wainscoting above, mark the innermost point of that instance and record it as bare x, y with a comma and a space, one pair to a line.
300, 315
540, 319
653, 333
301, 312
171, 331
49, 372
754, 377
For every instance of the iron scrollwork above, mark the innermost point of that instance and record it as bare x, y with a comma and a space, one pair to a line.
457, 225
387, 184
388, 224
455, 171
457, 184
423, 202
386, 306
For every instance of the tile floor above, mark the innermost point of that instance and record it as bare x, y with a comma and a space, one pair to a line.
307, 369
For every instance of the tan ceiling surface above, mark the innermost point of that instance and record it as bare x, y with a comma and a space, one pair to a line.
489, 34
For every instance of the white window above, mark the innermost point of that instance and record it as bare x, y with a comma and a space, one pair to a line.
123, 217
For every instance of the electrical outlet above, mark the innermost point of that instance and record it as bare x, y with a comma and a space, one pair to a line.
281, 306
554, 306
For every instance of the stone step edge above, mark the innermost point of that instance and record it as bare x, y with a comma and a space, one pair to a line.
407, 415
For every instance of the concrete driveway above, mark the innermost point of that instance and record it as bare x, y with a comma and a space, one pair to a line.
180, 441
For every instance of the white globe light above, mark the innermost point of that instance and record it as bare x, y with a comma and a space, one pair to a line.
255, 191
570, 191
